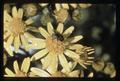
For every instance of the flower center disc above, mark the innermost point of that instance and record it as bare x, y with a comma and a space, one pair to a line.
55, 45
17, 26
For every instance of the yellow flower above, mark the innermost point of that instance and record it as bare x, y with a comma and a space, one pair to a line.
30, 9
15, 29
55, 46
23, 72
84, 53
61, 73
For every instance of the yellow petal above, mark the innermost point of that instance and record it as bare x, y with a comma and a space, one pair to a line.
46, 61
74, 39
81, 63
74, 73
65, 6
29, 21
20, 13
73, 5
68, 32
39, 72
75, 46
25, 65
53, 65
60, 28
28, 35
39, 54
24, 42
58, 7
8, 49
9, 72
64, 62
37, 43
10, 40
6, 35
71, 54
16, 67
90, 75
17, 43
7, 16
14, 12
43, 32
50, 28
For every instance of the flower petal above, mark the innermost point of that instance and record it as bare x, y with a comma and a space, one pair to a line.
74, 5
74, 73
74, 39
60, 28
54, 64
64, 62
71, 54
29, 21
10, 40
39, 54
8, 49
14, 12
39, 72
50, 28
9, 72
24, 42
6, 35
46, 61
65, 6
20, 13
43, 32
17, 43
38, 43
16, 67
7, 16
68, 32
90, 75
75, 46
25, 65
57, 6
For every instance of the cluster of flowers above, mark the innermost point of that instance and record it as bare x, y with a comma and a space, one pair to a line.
59, 54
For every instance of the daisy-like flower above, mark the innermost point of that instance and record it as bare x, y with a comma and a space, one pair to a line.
61, 13
61, 73
23, 72
30, 9
55, 46
84, 53
15, 29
